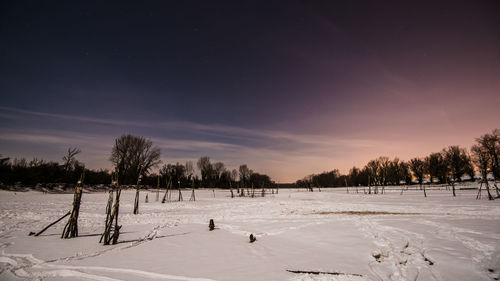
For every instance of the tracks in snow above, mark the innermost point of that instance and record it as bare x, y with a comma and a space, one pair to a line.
28, 267
400, 254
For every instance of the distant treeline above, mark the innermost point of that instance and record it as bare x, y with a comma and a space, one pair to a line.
39, 171
132, 157
213, 175
448, 165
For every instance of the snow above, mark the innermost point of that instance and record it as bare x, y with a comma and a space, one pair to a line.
380, 237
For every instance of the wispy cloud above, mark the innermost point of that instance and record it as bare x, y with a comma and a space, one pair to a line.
211, 129
281, 154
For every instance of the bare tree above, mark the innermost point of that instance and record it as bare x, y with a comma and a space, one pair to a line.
417, 166
206, 169
373, 168
134, 156
234, 178
437, 167
490, 143
245, 173
482, 159
189, 170
458, 160
218, 168
69, 160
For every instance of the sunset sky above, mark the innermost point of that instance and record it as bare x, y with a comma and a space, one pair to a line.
289, 88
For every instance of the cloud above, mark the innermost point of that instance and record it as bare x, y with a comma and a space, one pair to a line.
283, 155
212, 129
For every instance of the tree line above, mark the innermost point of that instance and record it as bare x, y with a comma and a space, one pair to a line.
133, 158
449, 165
38, 171
213, 175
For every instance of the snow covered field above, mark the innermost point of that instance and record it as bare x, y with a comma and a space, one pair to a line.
365, 237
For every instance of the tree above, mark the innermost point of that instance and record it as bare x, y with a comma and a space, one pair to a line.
404, 169
482, 159
218, 169
417, 166
354, 176
189, 168
134, 156
245, 174
397, 172
69, 160
384, 163
431, 166
206, 169
437, 167
458, 161
490, 143
375, 174
234, 175
72, 167
175, 173
260, 180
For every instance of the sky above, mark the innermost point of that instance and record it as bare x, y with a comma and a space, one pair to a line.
289, 88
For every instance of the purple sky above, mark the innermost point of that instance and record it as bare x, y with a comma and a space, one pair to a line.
289, 88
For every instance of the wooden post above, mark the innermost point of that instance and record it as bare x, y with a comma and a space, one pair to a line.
109, 208
112, 221
136, 203
369, 187
231, 188
166, 196
453, 187
116, 209
47, 227
180, 193
158, 189
478, 196
252, 238
193, 197
71, 228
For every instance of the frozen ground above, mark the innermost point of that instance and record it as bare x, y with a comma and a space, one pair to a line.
366, 237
